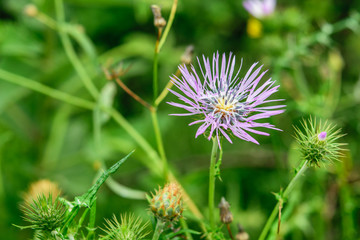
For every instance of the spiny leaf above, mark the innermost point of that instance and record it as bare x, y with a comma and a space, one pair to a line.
87, 199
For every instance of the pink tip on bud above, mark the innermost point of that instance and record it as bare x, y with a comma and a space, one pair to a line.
322, 136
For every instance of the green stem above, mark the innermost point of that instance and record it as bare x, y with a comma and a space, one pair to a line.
82, 218
160, 143
91, 227
70, 218
163, 94
155, 73
70, 52
286, 193
36, 86
168, 25
158, 229
48, 21
214, 152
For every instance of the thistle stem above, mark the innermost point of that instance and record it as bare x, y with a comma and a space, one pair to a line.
91, 226
168, 25
160, 144
155, 66
165, 91
286, 193
212, 169
229, 231
69, 219
134, 95
158, 229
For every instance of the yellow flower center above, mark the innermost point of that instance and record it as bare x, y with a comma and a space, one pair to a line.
224, 107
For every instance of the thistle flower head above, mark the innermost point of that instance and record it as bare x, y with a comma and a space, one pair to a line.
129, 227
318, 143
44, 213
166, 203
260, 8
322, 136
224, 102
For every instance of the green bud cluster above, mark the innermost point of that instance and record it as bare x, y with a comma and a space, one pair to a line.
166, 203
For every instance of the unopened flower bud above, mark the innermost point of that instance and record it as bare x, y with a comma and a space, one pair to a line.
31, 10
44, 213
159, 21
188, 55
166, 203
312, 142
242, 235
225, 214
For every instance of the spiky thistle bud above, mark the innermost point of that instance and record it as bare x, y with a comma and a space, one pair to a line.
159, 21
166, 203
318, 143
225, 214
44, 213
129, 227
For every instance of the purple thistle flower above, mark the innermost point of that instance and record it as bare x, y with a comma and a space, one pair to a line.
322, 136
260, 8
225, 103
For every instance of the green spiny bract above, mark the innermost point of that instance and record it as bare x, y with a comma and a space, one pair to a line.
318, 142
166, 203
129, 228
44, 213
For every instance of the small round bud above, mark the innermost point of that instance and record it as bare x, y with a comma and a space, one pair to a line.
159, 21
31, 10
225, 214
166, 203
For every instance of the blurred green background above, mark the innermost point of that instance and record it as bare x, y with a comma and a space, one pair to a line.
316, 63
